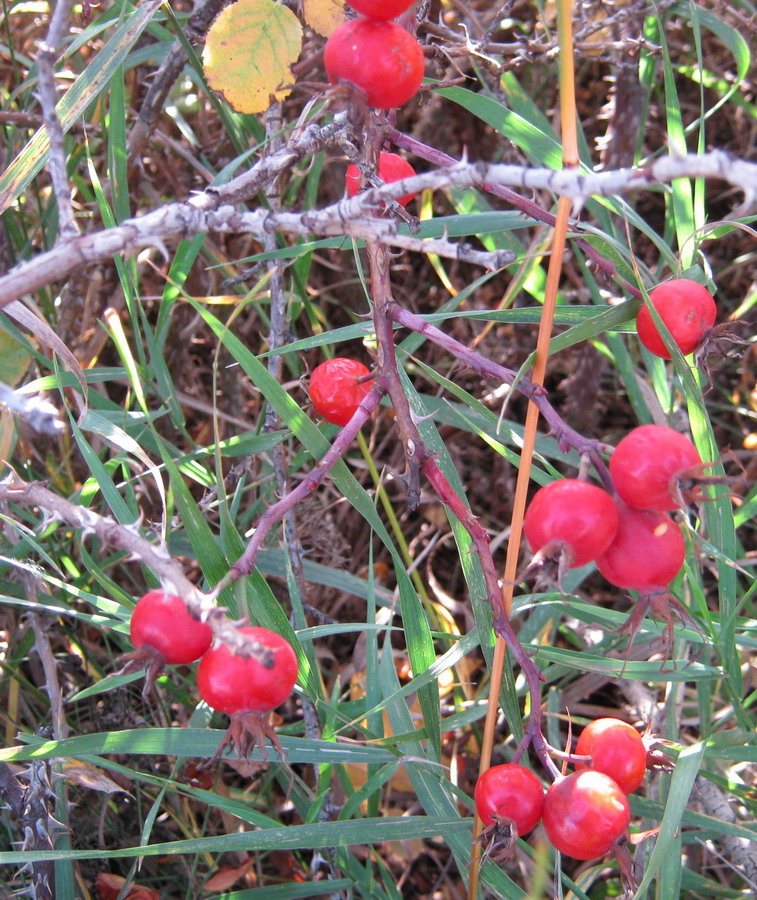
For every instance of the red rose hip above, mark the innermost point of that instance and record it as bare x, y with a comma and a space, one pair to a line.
645, 465
391, 167
584, 814
615, 748
337, 390
579, 515
510, 792
163, 622
380, 59
688, 311
381, 9
241, 684
646, 553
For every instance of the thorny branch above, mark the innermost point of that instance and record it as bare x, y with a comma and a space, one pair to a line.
30, 806
274, 514
39, 413
48, 97
278, 336
419, 459
128, 539
527, 206
36, 822
215, 209
33, 805
170, 69
566, 436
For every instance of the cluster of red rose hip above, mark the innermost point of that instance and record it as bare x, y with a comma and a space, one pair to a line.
636, 546
585, 813
654, 469
376, 56
164, 632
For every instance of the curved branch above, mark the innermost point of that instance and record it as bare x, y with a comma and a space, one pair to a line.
214, 209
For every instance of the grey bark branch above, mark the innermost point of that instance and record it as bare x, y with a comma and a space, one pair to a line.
48, 97
129, 539
37, 412
740, 852
164, 79
215, 209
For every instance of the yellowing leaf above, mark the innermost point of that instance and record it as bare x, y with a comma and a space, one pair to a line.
324, 16
86, 775
7, 438
14, 359
249, 51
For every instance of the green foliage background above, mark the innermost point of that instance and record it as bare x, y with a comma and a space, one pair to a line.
166, 433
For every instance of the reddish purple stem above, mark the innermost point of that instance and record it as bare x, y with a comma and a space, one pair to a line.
566, 436
274, 514
527, 207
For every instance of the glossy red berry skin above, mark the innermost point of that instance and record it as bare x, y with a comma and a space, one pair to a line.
381, 9
335, 390
573, 512
647, 552
645, 464
391, 167
163, 622
240, 684
615, 748
512, 792
688, 311
381, 59
584, 814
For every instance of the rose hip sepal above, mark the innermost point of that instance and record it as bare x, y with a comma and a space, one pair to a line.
585, 813
248, 687
661, 605
163, 632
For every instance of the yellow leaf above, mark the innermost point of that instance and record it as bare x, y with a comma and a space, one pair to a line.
249, 51
86, 775
14, 359
324, 16
7, 438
